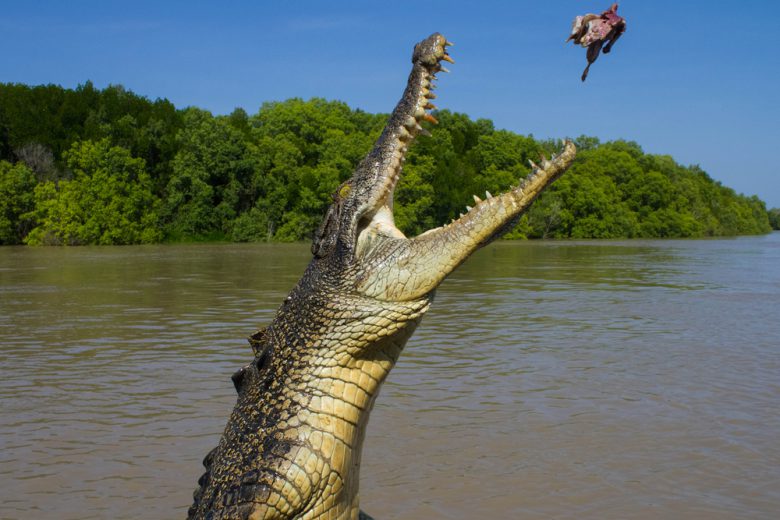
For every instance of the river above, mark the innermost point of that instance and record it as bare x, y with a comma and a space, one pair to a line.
572, 380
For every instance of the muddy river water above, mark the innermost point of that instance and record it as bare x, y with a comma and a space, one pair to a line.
603, 380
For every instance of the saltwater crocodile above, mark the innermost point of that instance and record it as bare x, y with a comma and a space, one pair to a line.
292, 446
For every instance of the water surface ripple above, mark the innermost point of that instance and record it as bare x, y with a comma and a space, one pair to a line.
603, 380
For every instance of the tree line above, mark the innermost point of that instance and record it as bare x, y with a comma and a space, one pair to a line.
92, 166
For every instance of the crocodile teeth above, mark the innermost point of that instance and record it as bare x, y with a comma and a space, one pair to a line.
533, 164
395, 162
404, 134
443, 69
429, 117
446, 57
477, 199
430, 106
488, 195
468, 208
424, 132
410, 123
448, 43
461, 215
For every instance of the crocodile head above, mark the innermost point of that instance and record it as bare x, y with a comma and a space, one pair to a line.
359, 227
366, 200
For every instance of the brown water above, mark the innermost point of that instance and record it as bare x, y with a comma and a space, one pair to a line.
603, 380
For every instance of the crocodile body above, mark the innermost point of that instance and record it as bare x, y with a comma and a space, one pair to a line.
292, 446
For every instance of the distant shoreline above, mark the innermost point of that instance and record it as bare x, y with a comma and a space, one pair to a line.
88, 166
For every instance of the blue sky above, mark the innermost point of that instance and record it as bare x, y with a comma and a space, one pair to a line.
696, 80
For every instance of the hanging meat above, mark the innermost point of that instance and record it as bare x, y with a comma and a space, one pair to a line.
598, 33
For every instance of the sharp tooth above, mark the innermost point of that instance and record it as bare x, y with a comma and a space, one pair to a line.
395, 162
410, 122
448, 43
461, 215
430, 95
477, 199
404, 134
430, 106
533, 164
468, 208
429, 117
419, 112
446, 57
425, 132
443, 69
488, 195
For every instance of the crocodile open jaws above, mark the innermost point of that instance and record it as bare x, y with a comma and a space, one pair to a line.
292, 446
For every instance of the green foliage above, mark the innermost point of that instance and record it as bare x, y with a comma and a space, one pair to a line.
95, 166
615, 190
108, 201
55, 118
774, 218
210, 176
414, 198
17, 185
303, 151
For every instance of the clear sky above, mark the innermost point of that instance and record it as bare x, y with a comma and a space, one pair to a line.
698, 80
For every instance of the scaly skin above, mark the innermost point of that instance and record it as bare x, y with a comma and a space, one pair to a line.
292, 446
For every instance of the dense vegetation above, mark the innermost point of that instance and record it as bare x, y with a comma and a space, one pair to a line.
774, 218
90, 166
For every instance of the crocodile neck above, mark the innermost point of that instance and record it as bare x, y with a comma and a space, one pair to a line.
297, 431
